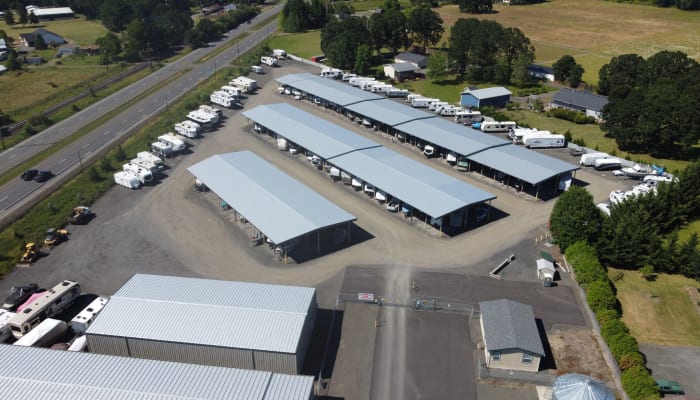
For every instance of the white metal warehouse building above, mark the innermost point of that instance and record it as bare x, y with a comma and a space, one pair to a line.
36, 373
210, 322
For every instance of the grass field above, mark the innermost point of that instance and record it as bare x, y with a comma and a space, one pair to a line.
305, 45
693, 227
594, 31
77, 31
660, 311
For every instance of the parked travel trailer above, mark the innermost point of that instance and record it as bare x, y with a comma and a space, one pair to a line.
381, 88
80, 322
421, 102
279, 53
367, 85
589, 159
153, 168
78, 344
332, 73
356, 81
212, 111
162, 149
205, 120
188, 129
223, 99
516, 135
149, 157
232, 90
397, 93
271, 61
435, 104
282, 144
145, 176
468, 116
347, 76
175, 142
448, 111
412, 96
496, 126
43, 335
543, 139
127, 179
607, 164
248, 85
5, 331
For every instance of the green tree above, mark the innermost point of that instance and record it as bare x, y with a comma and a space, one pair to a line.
317, 14
475, 6
633, 239
363, 59
93, 174
437, 66
575, 218
9, 18
32, 19
576, 75
22, 17
295, 16
136, 43
39, 43
116, 14
425, 26
622, 74
120, 154
388, 29
13, 63
341, 38
110, 48
567, 70
461, 43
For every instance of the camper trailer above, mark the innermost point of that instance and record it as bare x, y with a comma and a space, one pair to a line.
420, 102
271, 61
589, 159
279, 53
232, 90
356, 81
175, 142
246, 84
127, 179
516, 135
149, 157
332, 73
397, 93
145, 176
43, 335
468, 116
347, 76
162, 149
607, 164
223, 99
435, 104
367, 85
187, 128
542, 140
153, 168
496, 126
448, 111
80, 322
204, 119
381, 88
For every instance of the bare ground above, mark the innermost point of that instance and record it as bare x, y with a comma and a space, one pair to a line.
568, 344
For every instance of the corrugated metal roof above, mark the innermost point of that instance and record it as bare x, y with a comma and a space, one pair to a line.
28, 373
510, 325
488, 93
402, 67
431, 191
316, 134
328, 89
207, 312
527, 165
580, 99
388, 112
411, 57
579, 387
281, 207
451, 136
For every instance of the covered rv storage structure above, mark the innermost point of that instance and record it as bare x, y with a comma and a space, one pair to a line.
540, 172
36, 373
277, 205
210, 322
424, 189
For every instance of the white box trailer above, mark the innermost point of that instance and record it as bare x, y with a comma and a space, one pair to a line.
127, 179
607, 164
80, 322
149, 157
44, 334
5, 331
145, 176
589, 158
270, 61
498, 126
542, 140
175, 142
188, 129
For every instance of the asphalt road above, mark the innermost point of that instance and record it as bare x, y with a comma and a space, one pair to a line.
14, 194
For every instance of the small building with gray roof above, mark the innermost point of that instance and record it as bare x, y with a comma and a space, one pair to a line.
511, 337
400, 71
490, 97
209, 322
580, 100
36, 373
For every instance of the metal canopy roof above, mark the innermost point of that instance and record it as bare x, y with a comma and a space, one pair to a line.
508, 324
207, 312
316, 134
328, 89
279, 206
388, 112
453, 137
431, 191
519, 162
36, 373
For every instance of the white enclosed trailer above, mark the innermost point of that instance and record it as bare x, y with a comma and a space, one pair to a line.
44, 334
127, 179
543, 139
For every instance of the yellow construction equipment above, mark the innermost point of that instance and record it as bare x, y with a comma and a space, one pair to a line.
31, 254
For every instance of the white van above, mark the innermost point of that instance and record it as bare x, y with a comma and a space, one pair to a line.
589, 159
127, 179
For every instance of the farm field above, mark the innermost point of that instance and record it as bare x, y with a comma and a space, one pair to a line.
593, 31
78, 31
305, 45
660, 311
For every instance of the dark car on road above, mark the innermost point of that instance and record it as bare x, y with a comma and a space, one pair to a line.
669, 387
29, 174
43, 176
18, 295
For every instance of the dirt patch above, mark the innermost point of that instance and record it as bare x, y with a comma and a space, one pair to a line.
576, 350
694, 294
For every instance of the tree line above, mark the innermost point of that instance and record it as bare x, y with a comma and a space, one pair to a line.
653, 103
640, 232
687, 5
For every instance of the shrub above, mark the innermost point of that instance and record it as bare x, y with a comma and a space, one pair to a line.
639, 384
120, 154
93, 175
576, 117
631, 360
622, 344
605, 316
612, 328
600, 296
582, 256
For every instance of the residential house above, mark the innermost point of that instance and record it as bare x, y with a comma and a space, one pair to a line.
511, 338
493, 96
29, 39
579, 100
419, 61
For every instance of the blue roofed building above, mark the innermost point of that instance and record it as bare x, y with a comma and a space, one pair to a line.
490, 97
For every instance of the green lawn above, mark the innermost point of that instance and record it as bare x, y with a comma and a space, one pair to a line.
660, 311
686, 231
78, 31
304, 45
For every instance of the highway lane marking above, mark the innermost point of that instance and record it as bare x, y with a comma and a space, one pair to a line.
13, 155
106, 133
3, 199
125, 121
62, 161
87, 145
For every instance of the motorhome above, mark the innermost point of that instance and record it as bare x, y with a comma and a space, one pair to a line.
271, 61
174, 141
356, 81
279, 53
43, 335
607, 164
223, 99
589, 158
145, 176
51, 303
212, 111
397, 93
246, 84
367, 85
468, 116
497, 126
420, 102
188, 129
435, 104
80, 322
127, 179
162, 149
332, 73
232, 90
5, 332
543, 139
516, 135
409, 98
149, 157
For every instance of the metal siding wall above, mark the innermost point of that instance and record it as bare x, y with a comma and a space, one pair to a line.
190, 353
468, 100
111, 345
306, 333
284, 363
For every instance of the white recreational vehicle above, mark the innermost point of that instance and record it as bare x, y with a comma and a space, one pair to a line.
153, 168
498, 126
468, 116
607, 164
248, 85
162, 149
127, 179
356, 81
145, 176
381, 88
448, 110
412, 96
279, 53
5, 331
271, 61
174, 141
44, 334
543, 139
188, 129
421, 102
429, 151
367, 85
397, 93
332, 73
282, 144
516, 135
80, 322
232, 90
589, 159
212, 111
223, 99
204, 119
435, 104
149, 157
347, 76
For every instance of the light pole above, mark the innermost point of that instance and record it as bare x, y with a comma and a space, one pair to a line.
80, 160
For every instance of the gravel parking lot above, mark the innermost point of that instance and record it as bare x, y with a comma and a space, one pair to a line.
171, 229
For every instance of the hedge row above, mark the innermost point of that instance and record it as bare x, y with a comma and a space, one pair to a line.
600, 296
576, 117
